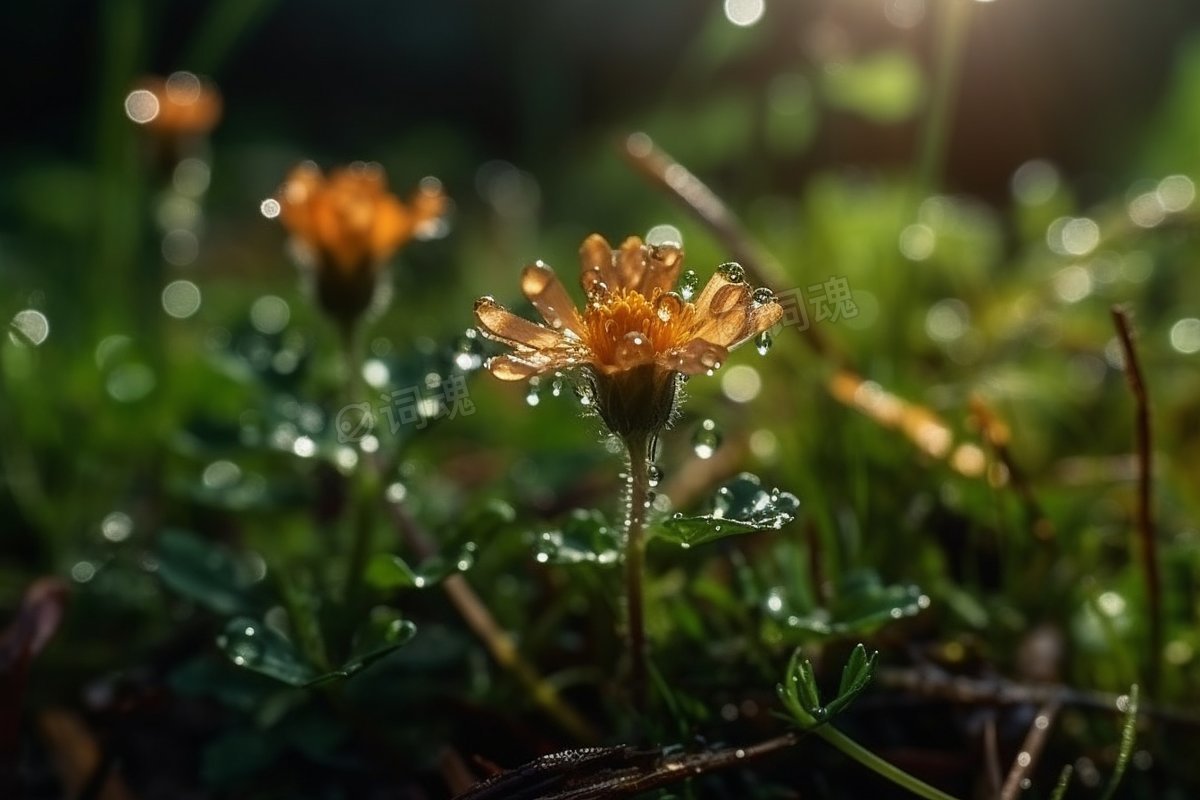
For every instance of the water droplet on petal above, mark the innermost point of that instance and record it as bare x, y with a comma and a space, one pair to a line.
668, 306
763, 342
688, 282
762, 295
732, 272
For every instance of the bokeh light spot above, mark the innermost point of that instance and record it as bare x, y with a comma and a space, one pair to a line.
141, 106
744, 13
181, 299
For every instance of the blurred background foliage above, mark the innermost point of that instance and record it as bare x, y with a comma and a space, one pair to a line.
987, 178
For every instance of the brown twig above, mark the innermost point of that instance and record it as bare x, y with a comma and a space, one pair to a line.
1145, 510
1031, 750
991, 753
661, 169
497, 640
609, 772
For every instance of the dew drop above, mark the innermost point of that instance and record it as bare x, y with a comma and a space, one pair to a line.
732, 272
688, 282
654, 474
763, 342
241, 642
534, 395
706, 439
762, 295
556, 385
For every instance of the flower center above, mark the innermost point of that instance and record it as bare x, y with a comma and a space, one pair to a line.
625, 328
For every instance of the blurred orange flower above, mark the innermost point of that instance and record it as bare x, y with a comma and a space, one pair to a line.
634, 336
180, 105
347, 225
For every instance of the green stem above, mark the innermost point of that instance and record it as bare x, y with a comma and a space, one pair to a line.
873, 762
637, 496
365, 483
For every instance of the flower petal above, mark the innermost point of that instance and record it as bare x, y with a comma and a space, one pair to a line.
630, 264
596, 264
497, 322
663, 263
696, 357
549, 297
512, 368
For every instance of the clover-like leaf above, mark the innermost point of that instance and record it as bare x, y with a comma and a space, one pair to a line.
802, 698
260, 648
855, 677
584, 537
862, 604
385, 631
385, 571
740, 506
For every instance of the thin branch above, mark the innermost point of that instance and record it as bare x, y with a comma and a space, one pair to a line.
1031, 751
920, 425
658, 167
609, 772
497, 640
933, 682
991, 753
1145, 510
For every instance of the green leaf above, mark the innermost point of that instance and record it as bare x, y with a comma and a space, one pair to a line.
210, 574
862, 604
855, 677
802, 698
386, 571
260, 648
384, 632
389, 572
740, 506
584, 537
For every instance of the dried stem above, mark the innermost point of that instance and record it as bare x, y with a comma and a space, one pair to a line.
637, 502
498, 642
1031, 750
610, 772
662, 170
1145, 510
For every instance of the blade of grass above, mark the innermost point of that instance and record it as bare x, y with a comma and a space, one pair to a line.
1128, 736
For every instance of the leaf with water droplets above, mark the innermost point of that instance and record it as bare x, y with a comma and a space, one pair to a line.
386, 571
861, 605
740, 506
384, 632
800, 695
252, 645
584, 537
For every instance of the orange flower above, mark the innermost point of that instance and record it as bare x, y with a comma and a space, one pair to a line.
634, 336
180, 105
348, 225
